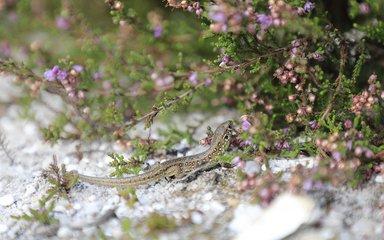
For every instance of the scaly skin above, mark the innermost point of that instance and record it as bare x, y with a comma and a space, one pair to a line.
177, 167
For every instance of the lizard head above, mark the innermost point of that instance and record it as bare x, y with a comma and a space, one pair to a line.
223, 135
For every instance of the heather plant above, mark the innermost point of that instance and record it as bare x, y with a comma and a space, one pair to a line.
306, 77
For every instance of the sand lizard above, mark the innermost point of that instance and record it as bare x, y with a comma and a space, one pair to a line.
177, 167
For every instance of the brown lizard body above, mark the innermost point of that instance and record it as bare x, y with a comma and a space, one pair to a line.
177, 167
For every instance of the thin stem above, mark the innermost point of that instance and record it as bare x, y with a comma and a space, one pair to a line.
343, 58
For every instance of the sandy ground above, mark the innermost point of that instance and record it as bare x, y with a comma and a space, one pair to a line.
208, 207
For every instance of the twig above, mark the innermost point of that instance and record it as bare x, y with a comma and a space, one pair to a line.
343, 58
4, 148
156, 110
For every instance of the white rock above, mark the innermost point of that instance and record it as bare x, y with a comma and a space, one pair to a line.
282, 218
251, 168
60, 208
207, 197
364, 227
379, 179
7, 200
244, 215
77, 206
279, 165
64, 233
3, 228
217, 207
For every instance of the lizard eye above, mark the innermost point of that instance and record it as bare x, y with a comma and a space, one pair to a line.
226, 137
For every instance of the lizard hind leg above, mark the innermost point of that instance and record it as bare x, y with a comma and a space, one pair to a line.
174, 171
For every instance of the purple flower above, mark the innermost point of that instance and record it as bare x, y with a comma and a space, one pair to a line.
78, 68
337, 156
307, 185
63, 23
246, 125
51, 74
208, 81
157, 31
225, 59
309, 6
62, 75
264, 20
217, 15
313, 125
55, 69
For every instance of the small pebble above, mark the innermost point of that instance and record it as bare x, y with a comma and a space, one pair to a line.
92, 198
196, 218
3, 228
64, 233
7, 200
60, 208
251, 168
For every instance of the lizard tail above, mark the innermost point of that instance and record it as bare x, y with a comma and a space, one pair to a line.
105, 181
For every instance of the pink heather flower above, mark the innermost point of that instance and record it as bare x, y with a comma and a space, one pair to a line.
246, 125
264, 20
309, 6
63, 23
285, 145
193, 78
318, 57
5, 49
96, 76
364, 8
277, 144
348, 124
349, 145
369, 154
199, 12
296, 43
